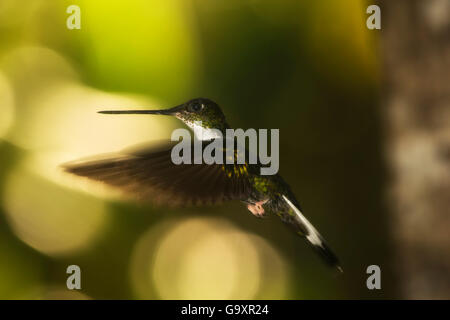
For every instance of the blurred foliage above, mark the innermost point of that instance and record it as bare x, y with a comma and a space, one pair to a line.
309, 68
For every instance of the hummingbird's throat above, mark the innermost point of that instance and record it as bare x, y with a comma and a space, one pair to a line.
203, 133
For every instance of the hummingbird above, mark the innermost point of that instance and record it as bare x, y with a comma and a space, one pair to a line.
150, 175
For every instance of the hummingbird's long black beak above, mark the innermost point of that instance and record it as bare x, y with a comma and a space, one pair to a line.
167, 112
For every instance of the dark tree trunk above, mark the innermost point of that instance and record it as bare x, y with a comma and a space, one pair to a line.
416, 53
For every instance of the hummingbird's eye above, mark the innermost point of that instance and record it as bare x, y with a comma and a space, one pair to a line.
195, 107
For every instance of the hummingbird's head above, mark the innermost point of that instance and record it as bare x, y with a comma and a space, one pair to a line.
201, 110
192, 112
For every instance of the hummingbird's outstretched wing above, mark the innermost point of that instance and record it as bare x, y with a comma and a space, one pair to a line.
150, 175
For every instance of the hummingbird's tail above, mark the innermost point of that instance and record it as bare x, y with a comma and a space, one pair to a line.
306, 229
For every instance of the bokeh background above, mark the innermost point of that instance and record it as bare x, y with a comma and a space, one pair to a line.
364, 143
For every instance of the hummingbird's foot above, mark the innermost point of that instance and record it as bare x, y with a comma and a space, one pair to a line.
257, 208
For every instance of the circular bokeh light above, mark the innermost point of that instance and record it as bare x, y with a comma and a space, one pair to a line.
50, 218
205, 258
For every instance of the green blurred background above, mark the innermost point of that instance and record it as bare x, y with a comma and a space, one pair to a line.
309, 68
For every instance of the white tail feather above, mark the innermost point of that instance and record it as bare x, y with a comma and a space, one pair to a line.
312, 235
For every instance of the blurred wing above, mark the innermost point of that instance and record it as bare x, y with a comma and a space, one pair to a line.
150, 174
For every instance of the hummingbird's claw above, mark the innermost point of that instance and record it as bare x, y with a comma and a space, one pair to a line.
257, 209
